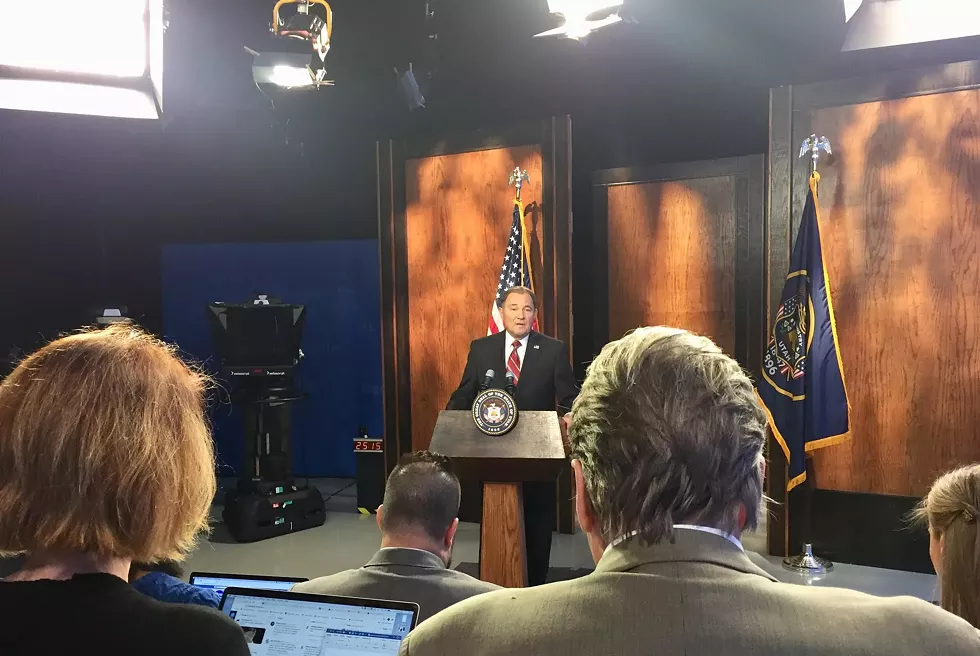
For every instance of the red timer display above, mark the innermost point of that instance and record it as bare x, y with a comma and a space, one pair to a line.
368, 445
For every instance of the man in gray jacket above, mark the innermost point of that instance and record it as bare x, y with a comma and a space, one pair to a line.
418, 523
667, 445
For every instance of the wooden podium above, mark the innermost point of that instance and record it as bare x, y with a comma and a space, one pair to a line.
534, 450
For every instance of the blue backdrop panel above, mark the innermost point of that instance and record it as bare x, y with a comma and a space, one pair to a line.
338, 282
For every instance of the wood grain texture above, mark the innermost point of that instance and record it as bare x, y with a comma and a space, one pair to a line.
901, 234
503, 557
672, 257
458, 217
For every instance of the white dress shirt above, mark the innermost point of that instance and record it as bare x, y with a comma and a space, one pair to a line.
684, 527
509, 346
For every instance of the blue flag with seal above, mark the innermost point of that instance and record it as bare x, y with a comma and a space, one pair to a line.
802, 388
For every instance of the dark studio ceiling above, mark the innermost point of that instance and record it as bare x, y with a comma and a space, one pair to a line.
673, 58
487, 62
486, 54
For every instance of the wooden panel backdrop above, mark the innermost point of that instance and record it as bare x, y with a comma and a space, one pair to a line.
672, 257
683, 244
902, 240
900, 203
458, 216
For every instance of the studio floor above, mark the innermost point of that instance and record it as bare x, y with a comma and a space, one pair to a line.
347, 539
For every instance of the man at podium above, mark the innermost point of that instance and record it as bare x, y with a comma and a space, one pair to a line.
542, 376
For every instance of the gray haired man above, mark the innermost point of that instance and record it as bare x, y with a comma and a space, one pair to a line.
667, 440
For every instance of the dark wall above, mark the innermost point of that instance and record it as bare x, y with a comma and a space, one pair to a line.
85, 206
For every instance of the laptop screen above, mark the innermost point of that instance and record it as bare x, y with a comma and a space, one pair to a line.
218, 582
285, 623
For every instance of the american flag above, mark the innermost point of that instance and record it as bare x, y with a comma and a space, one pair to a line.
516, 269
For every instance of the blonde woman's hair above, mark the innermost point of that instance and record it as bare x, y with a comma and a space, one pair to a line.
952, 511
104, 448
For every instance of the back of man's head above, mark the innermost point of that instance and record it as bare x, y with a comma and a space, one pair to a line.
421, 497
668, 431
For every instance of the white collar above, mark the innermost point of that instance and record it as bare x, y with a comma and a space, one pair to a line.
409, 549
686, 527
511, 339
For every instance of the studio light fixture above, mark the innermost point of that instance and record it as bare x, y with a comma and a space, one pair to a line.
105, 58
297, 60
286, 70
582, 17
888, 23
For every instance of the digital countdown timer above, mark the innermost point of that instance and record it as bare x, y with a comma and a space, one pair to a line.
368, 445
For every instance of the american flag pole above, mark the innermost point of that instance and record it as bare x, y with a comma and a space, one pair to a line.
516, 267
517, 180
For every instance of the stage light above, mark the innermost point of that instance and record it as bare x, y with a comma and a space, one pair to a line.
850, 8
286, 70
304, 25
105, 58
582, 17
291, 76
887, 23
295, 58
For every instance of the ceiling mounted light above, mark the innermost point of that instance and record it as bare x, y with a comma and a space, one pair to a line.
305, 25
582, 17
286, 70
295, 59
112, 64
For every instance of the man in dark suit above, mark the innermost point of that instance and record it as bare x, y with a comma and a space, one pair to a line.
418, 524
544, 381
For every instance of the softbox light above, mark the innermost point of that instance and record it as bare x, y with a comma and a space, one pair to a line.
850, 8
886, 23
98, 57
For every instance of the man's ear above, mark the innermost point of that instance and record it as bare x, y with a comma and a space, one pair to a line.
451, 533
583, 507
379, 515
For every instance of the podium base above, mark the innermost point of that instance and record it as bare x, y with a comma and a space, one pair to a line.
807, 562
503, 555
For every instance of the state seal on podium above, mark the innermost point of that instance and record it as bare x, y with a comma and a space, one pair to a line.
494, 412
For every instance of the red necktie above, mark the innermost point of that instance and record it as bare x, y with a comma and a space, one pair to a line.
514, 361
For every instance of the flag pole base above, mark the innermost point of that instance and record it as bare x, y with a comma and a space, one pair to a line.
807, 562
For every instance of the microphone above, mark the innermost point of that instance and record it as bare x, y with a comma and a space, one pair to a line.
487, 379
511, 386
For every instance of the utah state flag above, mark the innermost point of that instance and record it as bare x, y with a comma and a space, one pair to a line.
802, 386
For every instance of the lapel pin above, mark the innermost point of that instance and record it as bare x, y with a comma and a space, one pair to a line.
537, 346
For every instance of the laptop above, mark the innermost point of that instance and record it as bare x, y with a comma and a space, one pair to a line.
280, 623
218, 582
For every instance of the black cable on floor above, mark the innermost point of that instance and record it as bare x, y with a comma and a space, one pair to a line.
349, 485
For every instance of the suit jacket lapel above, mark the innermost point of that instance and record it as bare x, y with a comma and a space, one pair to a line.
531, 355
499, 342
